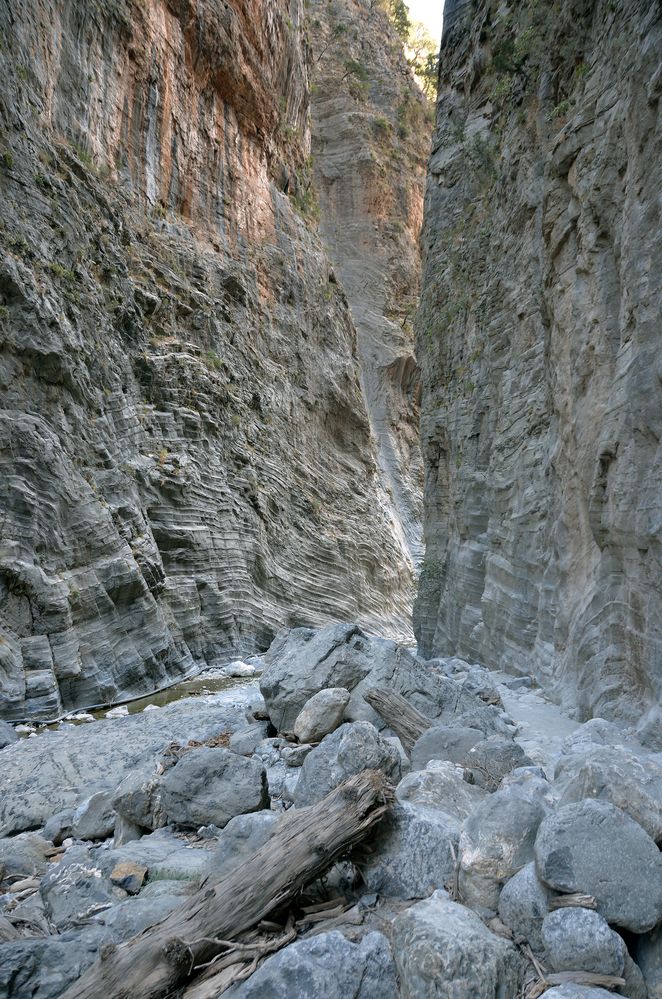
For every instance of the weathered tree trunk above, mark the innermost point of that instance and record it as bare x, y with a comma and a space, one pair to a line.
407, 723
305, 844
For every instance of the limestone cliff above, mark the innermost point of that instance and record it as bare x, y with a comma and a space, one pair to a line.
538, 337
187, 461
371, 139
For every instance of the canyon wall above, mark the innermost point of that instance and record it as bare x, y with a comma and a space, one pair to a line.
187, 460
371, 139
538, 337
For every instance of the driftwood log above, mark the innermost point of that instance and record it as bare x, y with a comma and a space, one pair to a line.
407, 723
304, 845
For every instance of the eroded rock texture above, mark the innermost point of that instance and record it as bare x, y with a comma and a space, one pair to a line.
538, 338
370, 141
186, 458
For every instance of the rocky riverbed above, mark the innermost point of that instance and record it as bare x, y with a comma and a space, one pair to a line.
519, 856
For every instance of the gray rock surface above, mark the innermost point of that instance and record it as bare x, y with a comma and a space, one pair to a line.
302, 662
95, 818
353, 747
166, 855
444, 742
577, 939
240, 838
490, 760
595, 848
326, 965
137, 800
648, 955
442, 786
321, 714
629, 780
412, 854
497, 841
182, 412
40, 777
24, 854
75, 889
43, 968
523, 905
540, 415
212, 786
246, 739
580, 992
443, 951
7, 735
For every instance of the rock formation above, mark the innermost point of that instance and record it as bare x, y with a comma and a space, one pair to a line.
538, 338
187, 459
370, 141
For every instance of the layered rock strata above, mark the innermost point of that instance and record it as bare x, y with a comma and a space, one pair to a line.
538, 340
370, 138
187, 461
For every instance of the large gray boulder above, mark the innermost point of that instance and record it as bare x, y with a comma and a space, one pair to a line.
137, 799
412, 853
7, 734
75, 889
40, 777
523, 905
443, 951
580, 992
44, 968
95, 818
442, 786
211, 786
353, 747
241, 837
444, 742
577, 939
326, 966
165, 855
303, 661
497, 841
321, 714
594, 847
648, 955
631, 781
25, 854
489, 760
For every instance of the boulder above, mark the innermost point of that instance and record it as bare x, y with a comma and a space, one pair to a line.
39, 777
523, 904
497, 841
441, 786
246, 739
321, 714
412, 853
293, 756
126, 831
326, 965
594, 732
95, 817
25, 854
595, 848
353, 747
631, 781
75, 889
129, 876
7, 734
577, 939
138, 798
241, 837
303, 661
443, 951
444, 742
132, 916
580, 992
532, 784
648, 955
488, 761
59, 827
164, 853
212, 786
43, 968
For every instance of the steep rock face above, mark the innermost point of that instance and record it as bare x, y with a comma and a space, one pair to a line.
187, 463
370, 141
538, 337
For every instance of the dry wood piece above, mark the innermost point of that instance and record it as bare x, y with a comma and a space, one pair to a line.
407, 723
306, 842
576, 899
